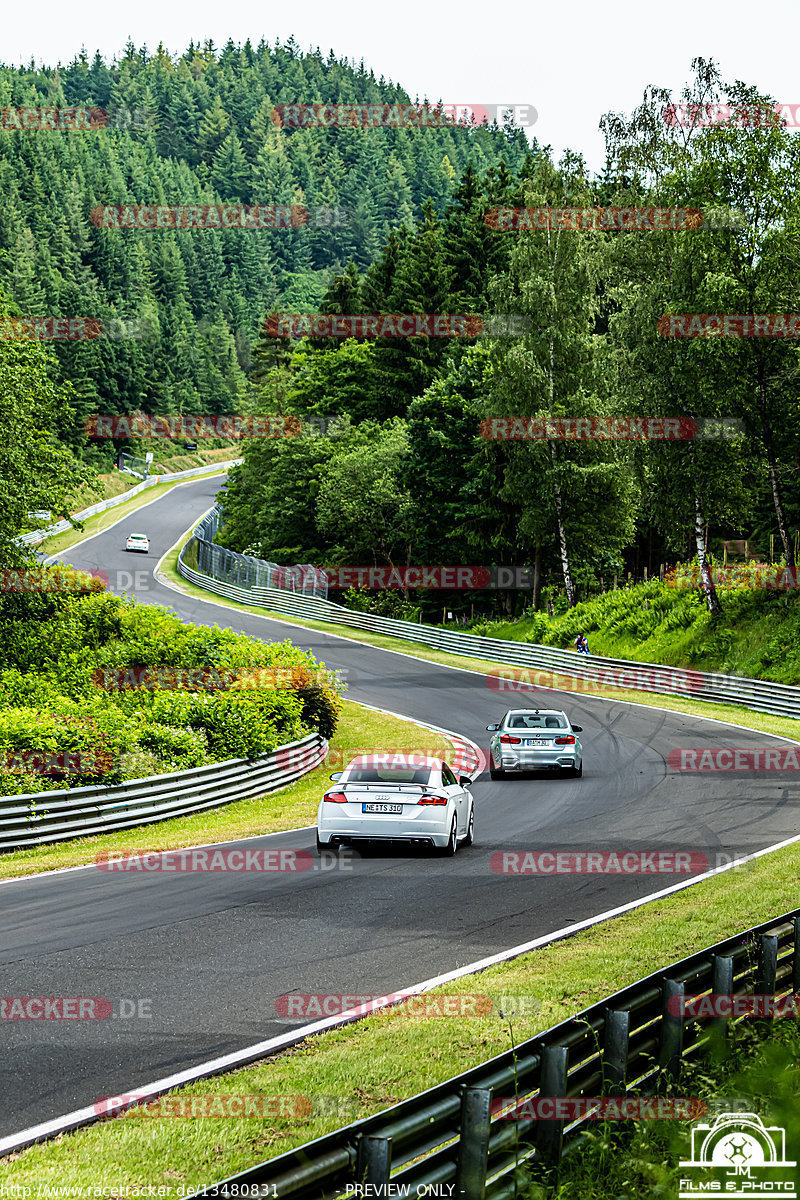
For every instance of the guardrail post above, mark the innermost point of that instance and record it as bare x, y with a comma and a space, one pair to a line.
615, 1051
671, 1048
374, 1162
721, 985
553, 1082
767, 964
473, 1146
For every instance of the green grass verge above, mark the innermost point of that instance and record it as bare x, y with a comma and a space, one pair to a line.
290, 808
389, 1056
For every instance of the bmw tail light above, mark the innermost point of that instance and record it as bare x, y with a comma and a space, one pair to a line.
339, 797
432, 800
510, 741
567, 740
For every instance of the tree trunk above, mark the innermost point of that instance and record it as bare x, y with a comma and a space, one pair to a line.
537, 579
562, 537
706, 580
772, 470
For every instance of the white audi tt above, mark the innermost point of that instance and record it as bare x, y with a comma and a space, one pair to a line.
420, 802
138, 541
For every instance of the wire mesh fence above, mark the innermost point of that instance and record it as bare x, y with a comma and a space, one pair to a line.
246, 571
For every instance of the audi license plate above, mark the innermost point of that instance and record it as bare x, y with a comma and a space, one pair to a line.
381, 808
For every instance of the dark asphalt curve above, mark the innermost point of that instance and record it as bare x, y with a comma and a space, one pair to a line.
202, 957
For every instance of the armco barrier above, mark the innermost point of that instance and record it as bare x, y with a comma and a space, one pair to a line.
447, 1139
38, 535
600, 675
54, 816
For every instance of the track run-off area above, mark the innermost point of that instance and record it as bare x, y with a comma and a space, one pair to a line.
199, 958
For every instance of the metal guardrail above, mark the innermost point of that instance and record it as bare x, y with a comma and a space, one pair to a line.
543, 666
38, 535
245, 571
54, 816
634, 1042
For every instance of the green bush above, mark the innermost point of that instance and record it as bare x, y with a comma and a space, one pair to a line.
64, 651
247, 724
387, 603
177, 749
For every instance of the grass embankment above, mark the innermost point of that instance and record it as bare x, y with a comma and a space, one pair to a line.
110, 484
758, 1071
291, 808
758, 634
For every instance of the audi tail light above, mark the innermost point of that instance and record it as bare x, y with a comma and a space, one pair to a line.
339, 797
432, 800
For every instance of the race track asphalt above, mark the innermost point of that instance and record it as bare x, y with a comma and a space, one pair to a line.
209, 953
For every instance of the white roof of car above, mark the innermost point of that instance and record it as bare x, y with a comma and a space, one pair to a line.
399, 758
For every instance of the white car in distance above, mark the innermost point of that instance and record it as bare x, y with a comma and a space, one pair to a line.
422, 802
138, 541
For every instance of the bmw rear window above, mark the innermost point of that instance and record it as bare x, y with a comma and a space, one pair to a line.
536, 721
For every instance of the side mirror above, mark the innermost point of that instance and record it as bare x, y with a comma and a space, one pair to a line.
577, 729
336, 775
464, 780
492, 728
